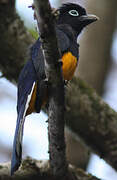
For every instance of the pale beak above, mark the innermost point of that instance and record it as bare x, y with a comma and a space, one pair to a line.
88, 19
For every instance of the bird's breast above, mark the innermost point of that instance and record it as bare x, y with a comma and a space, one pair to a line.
69, 65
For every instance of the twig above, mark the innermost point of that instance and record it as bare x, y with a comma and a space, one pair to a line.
56, 87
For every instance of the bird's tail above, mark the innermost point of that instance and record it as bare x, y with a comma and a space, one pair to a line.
17, 144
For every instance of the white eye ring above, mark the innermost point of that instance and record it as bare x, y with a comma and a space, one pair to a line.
73, 12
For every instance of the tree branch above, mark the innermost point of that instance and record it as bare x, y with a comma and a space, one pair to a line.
56, 123
33, 169
14, 42
93, 120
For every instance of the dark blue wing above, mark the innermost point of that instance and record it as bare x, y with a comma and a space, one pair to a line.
38, 60
26, 83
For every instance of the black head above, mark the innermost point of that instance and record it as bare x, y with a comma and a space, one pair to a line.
75, 16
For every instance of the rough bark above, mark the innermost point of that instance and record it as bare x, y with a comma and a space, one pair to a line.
55, 82
40, 170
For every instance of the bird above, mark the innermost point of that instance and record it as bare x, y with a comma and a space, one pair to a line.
32, 85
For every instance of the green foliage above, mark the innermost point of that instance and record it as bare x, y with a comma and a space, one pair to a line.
34, 33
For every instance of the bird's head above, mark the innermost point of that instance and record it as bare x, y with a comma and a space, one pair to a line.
75, 16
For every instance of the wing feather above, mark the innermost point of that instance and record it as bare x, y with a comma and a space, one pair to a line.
25, 90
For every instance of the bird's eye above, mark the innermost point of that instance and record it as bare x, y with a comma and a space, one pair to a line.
73, 12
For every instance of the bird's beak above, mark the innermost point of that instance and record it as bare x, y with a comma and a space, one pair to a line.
88, 19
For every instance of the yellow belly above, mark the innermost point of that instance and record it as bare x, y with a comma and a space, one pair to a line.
69, 65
